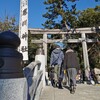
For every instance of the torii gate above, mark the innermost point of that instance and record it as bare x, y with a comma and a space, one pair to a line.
82, 39
23, 34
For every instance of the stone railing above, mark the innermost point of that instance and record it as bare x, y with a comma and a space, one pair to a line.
34, 75
27, 88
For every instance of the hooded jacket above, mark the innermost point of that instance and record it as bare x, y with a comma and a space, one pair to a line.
57, 57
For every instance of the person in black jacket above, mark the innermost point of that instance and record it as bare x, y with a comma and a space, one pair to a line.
71, 65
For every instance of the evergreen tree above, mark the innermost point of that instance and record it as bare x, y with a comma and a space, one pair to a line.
89, 17
59, 14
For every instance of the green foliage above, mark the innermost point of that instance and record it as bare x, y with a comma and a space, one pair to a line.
8, 24
89, 17
94, 55
59, 14
32, 47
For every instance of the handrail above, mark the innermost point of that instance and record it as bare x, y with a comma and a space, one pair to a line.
33, 74
29, 68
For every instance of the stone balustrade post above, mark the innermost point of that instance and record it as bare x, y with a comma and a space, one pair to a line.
41, 57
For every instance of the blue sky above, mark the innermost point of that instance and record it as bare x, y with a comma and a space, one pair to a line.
36, 10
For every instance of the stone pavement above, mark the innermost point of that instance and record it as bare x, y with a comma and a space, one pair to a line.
83, 92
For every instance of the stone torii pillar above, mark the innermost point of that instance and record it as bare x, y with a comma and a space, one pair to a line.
85, 55
45, 47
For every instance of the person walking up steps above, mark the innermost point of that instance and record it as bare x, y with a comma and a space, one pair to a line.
71, 65
57, 57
